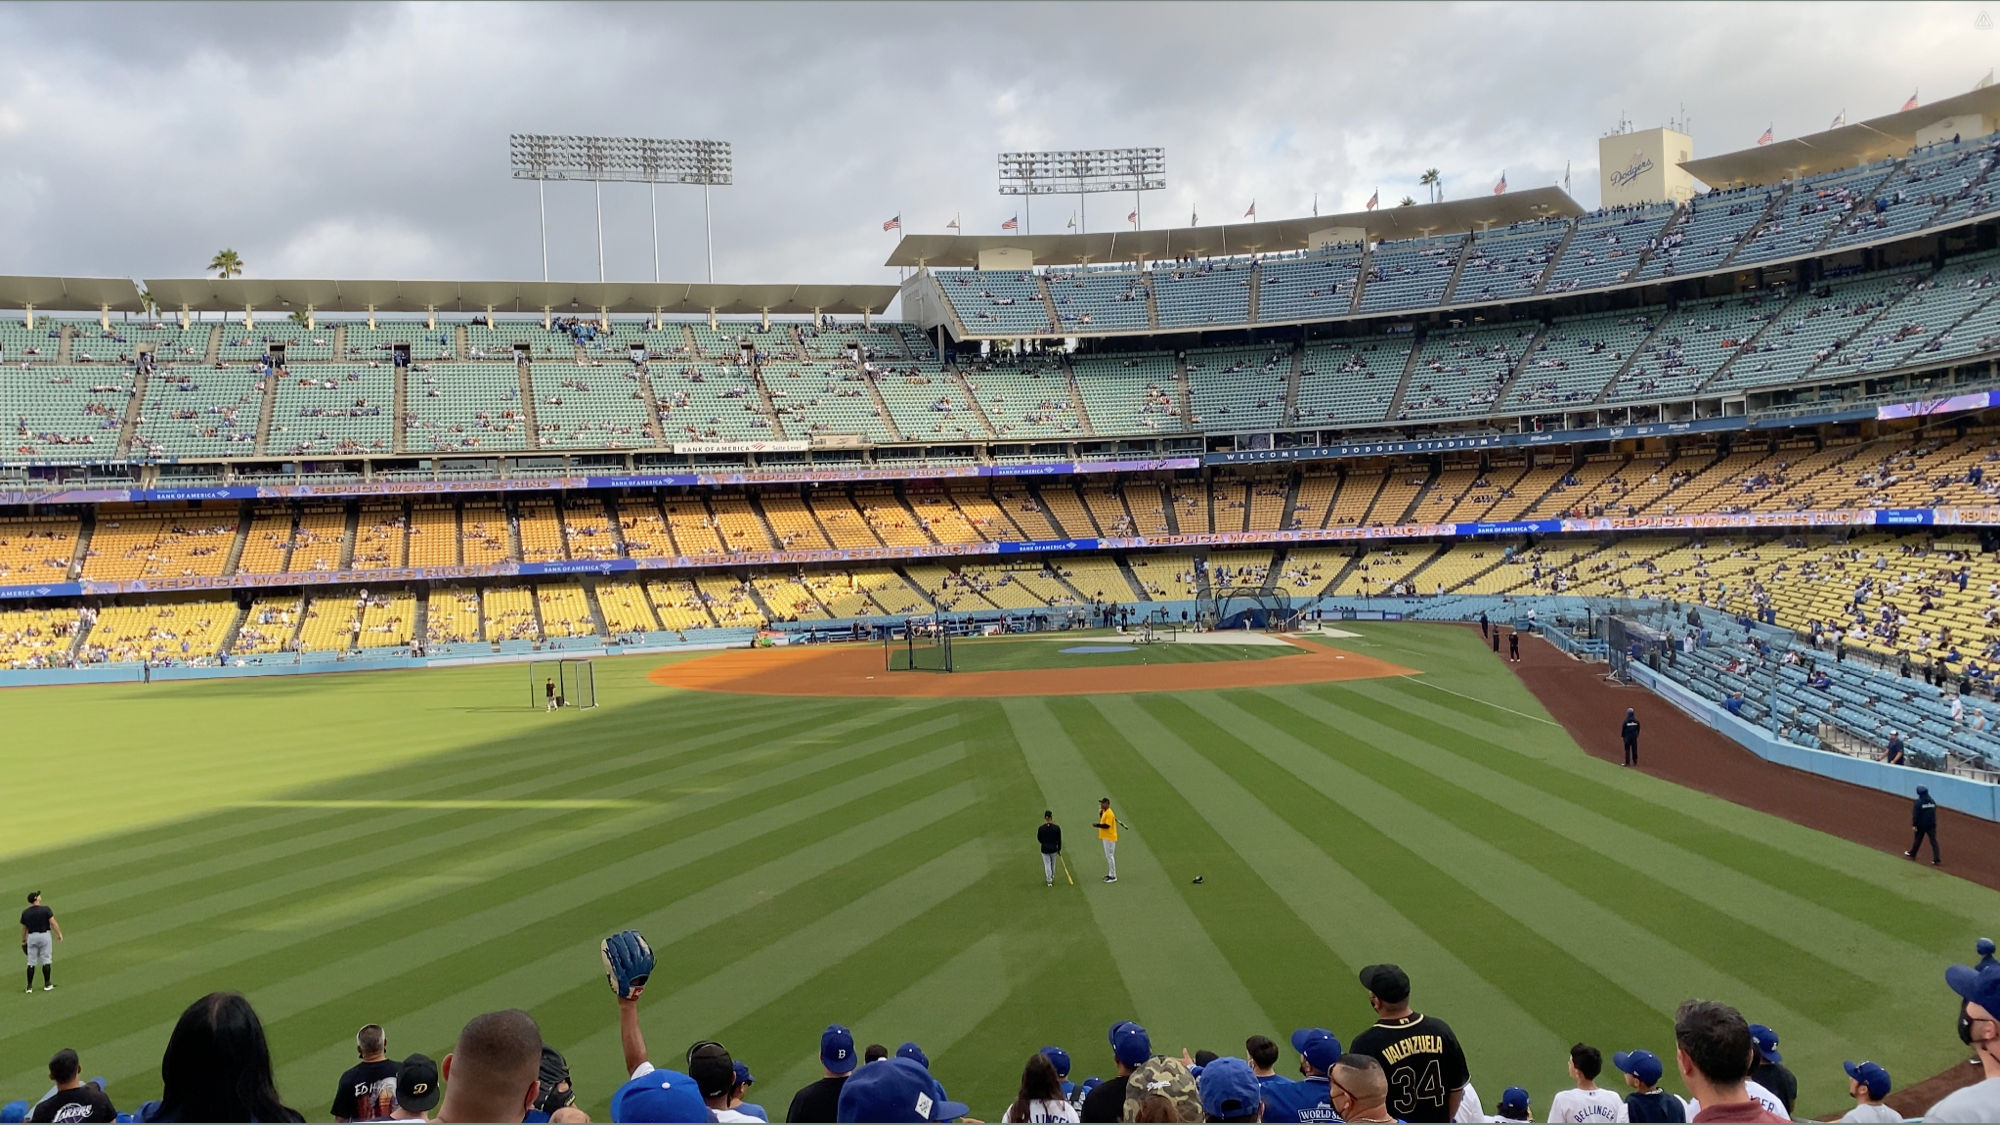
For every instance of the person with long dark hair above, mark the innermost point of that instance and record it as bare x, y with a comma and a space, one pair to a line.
1041, 1097
218, 1067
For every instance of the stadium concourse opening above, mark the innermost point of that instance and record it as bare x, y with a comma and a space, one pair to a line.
857, 670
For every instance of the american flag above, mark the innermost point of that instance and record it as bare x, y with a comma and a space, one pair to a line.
1132, 217
1766, 137
1194, 218
1375, 200
953, 224
1912, 103
1252, 212
1012, 224
893, 224
1839, 119
1501, 187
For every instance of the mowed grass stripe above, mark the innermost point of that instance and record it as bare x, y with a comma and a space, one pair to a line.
1602, 830
1884, 907
520, 766
1249, 919
710, 882
1383, 838
488, 918
1143, 922
1357, 925
792, 785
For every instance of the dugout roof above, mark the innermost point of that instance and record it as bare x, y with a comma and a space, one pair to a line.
1450, 217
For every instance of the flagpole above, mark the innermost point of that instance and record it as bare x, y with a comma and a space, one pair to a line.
1028, 214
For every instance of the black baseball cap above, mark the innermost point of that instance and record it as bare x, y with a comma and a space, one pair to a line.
417, 1084
1389, 983
713, 1071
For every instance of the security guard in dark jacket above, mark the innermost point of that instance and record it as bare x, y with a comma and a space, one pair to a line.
1629, 731
1923, 817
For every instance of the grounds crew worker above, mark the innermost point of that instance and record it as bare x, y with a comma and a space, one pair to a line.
1629, 731
1923, 818
1107, 831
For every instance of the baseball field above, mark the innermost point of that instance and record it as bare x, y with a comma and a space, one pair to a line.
412, 848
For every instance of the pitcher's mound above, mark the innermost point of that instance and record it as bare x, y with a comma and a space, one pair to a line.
856, 670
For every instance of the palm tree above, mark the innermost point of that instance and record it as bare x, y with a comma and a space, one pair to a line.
1431, 180
227, 264
298, 317
1407, 202
148, 305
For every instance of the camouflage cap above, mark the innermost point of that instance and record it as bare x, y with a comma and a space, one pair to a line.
1171, 1079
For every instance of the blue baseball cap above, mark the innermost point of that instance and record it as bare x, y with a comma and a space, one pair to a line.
1060, 1058
1091, 1083
895, 1090
914, 1053
743, 1073
1870, 1075
1767, 1043
1981, 986
1133, 1046
1641, 1064
1118, 1027
659, 1095
1228, 1088
1317, 1046
14, 1111
1514, 1097
836, 1049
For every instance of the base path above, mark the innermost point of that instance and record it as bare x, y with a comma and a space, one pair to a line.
856, 670
1679, 749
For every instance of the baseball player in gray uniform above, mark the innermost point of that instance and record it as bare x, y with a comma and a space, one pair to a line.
39, 933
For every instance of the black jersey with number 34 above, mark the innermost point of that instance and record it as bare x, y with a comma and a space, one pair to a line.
1423, 1061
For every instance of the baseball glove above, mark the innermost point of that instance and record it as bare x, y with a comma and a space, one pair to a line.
557, 1091
628, 961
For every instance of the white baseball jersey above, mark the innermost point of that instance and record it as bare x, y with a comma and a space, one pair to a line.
1599, 1105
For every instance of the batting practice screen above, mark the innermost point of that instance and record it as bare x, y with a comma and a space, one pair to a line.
917, 648
575, 683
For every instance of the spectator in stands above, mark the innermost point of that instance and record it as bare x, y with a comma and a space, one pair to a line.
1647, 1102
1768, 1069
1416, 1041
1588, 1101
417, 1090
1979, 988
1361, 1089
895, 1090
367, 1092
1040, 1098
714, 1075
820, 1100
1712, 1047
1130, 1047
1263, 1056
74, 1099
876, 1052
1734, 704
493, 1071
1923, 818
1893, 754
1311, 1097
739, 1098
217, 1067
1868, 1084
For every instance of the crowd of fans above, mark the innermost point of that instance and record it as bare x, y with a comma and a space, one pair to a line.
1406, 1066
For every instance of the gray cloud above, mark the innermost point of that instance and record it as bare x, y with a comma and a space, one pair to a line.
370, 140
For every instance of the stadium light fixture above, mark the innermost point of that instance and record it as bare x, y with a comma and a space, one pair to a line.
1083, 172
622, 160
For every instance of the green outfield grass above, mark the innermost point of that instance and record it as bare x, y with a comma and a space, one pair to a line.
413, 848
1008, 654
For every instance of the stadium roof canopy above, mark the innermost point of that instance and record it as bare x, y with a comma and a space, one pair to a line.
113, 294
1451, 216
217, 295
1864, 141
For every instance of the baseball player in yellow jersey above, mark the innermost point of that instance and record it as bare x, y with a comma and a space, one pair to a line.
1107, 831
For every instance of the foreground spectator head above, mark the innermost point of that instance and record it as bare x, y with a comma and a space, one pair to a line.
1059, 1059
1318, 1050
836, 1050
744, 1079
1130, 1046
1230, 1091
1041, 1088
713, 1072
895, 1090
1642, 1068
1867, 1082
915, 1054
1388, 989
16, 1110
371, 1043
1164, 1077
64, 1067
1514, 1103
656, 1096
493, 1072
1766, 1041
1360, 1089
1713, 1047
217, 1066
1263, 1054
417, 1090
875, 1052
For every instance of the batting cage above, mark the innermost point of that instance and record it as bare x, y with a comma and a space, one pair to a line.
561, 683
921, 645
1628, 639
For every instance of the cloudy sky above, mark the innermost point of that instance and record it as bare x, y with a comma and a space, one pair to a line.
370, 140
